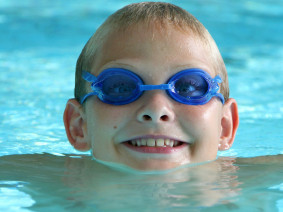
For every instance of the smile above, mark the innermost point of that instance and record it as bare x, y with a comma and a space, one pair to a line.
151, 142
155, 145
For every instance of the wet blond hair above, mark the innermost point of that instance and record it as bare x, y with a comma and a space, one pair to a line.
159, 14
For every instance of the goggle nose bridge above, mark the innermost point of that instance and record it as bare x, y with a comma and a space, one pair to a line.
155, 87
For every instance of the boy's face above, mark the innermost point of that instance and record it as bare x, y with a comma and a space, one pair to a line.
155, 57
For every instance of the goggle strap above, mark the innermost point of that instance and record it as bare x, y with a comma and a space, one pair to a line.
221, 97
88, 76
86, 96
215, 87
155, 87
217, 79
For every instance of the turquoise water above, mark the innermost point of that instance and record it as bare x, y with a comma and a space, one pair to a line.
39, 44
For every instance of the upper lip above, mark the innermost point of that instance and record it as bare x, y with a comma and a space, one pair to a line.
156, 137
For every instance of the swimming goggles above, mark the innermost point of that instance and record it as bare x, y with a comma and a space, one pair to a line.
117, 86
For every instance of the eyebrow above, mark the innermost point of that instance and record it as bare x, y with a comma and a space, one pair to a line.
191, 65
177, 68
115, 64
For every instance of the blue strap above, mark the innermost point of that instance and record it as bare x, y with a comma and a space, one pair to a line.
88, 76
215, 87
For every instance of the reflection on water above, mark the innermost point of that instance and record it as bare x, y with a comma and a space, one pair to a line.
78, 183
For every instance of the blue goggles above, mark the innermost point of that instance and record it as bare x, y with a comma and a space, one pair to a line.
117, 86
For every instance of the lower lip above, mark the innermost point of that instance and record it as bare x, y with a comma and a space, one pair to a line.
156, 150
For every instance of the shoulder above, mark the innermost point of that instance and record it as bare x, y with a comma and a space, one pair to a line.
268, 159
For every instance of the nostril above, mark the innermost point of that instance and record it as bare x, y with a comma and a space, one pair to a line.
164, 118
147, 118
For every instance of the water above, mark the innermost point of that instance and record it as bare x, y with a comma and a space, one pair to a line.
45, 182
39, 44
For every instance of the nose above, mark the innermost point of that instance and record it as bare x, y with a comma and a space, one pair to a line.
156, 108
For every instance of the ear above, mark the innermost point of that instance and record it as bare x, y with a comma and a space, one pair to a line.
229, 124
75, 125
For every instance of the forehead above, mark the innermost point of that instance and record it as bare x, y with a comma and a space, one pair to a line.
165, 46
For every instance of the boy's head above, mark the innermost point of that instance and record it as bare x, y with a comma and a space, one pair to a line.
155, 41
154, 16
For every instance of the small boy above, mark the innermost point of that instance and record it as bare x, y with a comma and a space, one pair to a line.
151, 91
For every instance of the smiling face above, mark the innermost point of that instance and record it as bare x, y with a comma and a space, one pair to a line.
154, 132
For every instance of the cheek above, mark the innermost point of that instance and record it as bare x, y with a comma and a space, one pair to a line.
203, 122
107, 117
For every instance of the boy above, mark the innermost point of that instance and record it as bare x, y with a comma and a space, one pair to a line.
151, 91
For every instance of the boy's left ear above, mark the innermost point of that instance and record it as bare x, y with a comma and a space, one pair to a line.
229, 124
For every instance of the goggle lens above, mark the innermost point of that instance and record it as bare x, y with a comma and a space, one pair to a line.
119, 87
116, 86
191, 85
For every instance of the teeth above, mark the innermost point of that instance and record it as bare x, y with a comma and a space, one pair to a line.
167, 142
160, 142
143, 142
155, 142
150, 142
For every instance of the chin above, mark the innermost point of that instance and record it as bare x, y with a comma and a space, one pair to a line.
156, 165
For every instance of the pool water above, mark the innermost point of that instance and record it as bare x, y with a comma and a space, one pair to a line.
39, 44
